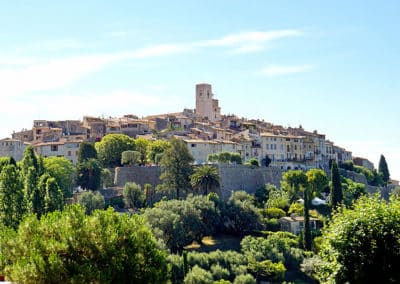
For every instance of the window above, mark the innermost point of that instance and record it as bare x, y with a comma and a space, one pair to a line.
193, 145
54, 148
69, 153
267, 146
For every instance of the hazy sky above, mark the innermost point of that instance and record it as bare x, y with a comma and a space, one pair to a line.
327, 65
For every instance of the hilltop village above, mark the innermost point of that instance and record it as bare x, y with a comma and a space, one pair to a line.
204, 130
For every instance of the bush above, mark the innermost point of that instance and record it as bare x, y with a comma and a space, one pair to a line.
274, 213
133, 195
198, 275
71, 247
91, 201
273, 225
218, 272
244, 279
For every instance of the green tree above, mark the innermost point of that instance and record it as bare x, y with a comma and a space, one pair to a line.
383, 169
197, 275
91, 200
205, 177
63, 171
176, 222
86, 151
11, 197
336, 193
133, 195
71, 247
176, 167
30, 159
106, 178
156, 149
30, 186
239, 214
362, 245
294, 182
88, 174
253, 162
236, 158
141, 145
130, 158
110, 148
54, 198
317, 182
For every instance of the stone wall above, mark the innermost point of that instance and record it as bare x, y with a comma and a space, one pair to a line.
240, 177
232, 177
360, 178
140, 175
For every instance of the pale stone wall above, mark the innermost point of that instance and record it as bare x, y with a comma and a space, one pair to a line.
240, 177
139, 175
232, 177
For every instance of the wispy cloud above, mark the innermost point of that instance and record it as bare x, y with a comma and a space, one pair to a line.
51, 45
277, 70
37, 74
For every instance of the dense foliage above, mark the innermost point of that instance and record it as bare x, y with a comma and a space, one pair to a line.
362, 245
176, 167
71, 247
110, 148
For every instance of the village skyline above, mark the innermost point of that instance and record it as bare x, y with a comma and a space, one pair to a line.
327, 67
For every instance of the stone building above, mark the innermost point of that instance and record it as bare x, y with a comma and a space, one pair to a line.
207, 107
12, 148
62, 148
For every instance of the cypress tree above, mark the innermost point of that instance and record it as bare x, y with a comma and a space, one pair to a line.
86, 151
384, 170
307, 239
11, 197
53, 199
336, 193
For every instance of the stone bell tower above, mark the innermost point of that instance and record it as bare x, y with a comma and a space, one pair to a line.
206, 106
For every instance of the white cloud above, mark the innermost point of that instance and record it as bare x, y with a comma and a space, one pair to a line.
276, 70
160, 50
24, 75
250, 38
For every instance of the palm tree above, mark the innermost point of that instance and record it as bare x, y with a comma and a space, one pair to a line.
204, 177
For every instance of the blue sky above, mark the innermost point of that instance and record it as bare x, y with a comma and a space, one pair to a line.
332, 66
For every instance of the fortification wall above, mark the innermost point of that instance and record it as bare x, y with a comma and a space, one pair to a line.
232, 177
139, 175
240, 177
360, 178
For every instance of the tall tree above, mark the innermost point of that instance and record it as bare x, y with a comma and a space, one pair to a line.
89, 174
86, 151
110, 148
141, 145
383, 169
30, 159
336, 192
54, 198
292, 182
316, 182
205, 177
156, 148
63, 171
176, 167
30, 185
11, 196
